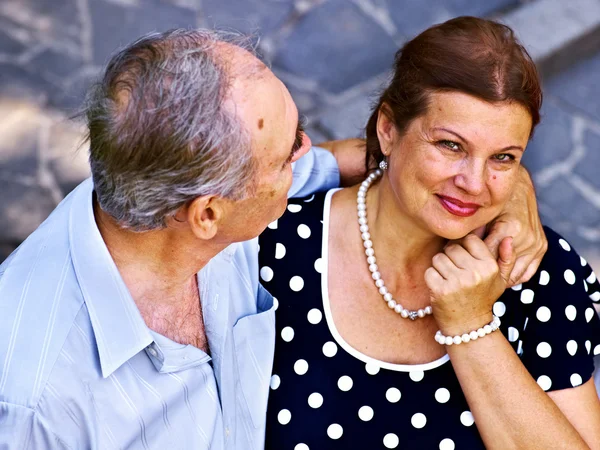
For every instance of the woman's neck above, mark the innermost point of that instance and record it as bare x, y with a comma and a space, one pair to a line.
400, 243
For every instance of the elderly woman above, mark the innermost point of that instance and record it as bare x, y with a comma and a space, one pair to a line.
395, 325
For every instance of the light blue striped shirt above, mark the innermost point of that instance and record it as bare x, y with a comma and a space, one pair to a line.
79, 368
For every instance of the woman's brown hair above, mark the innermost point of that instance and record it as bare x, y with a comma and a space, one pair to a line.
475, 56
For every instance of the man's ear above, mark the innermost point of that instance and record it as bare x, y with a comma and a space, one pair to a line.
204, 215
385, 127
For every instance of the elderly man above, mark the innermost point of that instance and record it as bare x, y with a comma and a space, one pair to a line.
133, 317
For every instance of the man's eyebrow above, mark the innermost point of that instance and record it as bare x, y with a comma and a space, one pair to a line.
298, 140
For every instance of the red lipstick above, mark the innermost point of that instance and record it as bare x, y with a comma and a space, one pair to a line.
457, 207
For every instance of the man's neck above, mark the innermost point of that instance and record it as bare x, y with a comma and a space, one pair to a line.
158, 267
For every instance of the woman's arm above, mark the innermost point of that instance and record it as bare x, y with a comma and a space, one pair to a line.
510, 408
512, 411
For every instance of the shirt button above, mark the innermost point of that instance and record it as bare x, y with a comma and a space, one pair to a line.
153, 352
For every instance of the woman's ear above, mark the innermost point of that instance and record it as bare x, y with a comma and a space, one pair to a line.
385, 128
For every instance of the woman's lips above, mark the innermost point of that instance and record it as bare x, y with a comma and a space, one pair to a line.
458, 208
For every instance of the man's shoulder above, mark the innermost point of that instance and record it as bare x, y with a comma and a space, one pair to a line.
40, 300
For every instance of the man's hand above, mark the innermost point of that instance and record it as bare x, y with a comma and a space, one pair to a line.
520, 220
350, 155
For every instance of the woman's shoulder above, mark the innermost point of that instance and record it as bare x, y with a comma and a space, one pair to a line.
563, 263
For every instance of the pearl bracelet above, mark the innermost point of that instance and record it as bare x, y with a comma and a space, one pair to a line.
472, 336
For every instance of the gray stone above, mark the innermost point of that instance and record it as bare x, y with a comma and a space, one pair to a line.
122, 24
67, 157
70, 98
247, 16
556, 32
22, 209
564, 203
20, 83
579, 86
589, 167
5, 250
46, 20
347, 120
338, 53
9, 45
412, 17
552, 140
20, 138
55, 65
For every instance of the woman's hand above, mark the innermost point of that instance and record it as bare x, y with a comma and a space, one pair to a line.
465, 281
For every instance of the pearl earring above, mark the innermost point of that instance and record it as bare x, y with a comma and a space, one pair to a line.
383, 165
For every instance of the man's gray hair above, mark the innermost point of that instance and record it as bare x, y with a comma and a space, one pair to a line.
159, 133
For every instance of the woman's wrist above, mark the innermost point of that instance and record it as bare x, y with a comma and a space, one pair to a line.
458, 327
468, 336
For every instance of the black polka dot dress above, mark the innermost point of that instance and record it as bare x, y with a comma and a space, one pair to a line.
326, 395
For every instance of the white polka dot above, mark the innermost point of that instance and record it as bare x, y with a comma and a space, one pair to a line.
442, 395
572, 347
513, 334
372, 369
543, 349
583, 261
284, 416
365, 413
569, 276
416, 375
544, 278
314, 316
393, 395
571, 312
595, 296
275, 382
597, 350
467, 419
517, 287
287, 334
589, 313
447, 444
543, 314
293, 208
296, 283
499, 308
279, 251
527, 296
520, 348
585, 286
576, 380
345, 383
301, 447
301, 367
275, 304
315, 400
303, 231
592, 278
335, 431
588, 346
266, 273
545, 382
391, 440
329, 349
319, 265
272, 225
418, 420
564, 244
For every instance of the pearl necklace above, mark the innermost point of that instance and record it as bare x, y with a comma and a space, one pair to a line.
361, 199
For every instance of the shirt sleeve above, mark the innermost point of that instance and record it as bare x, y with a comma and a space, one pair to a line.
22, 429
314, 172
562, 331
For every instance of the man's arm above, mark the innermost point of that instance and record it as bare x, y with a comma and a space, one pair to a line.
328, 165
521, 220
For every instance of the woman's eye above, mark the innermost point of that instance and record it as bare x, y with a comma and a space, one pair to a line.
450, 145
504, 157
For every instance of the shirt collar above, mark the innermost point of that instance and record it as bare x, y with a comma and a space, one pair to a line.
119, 328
